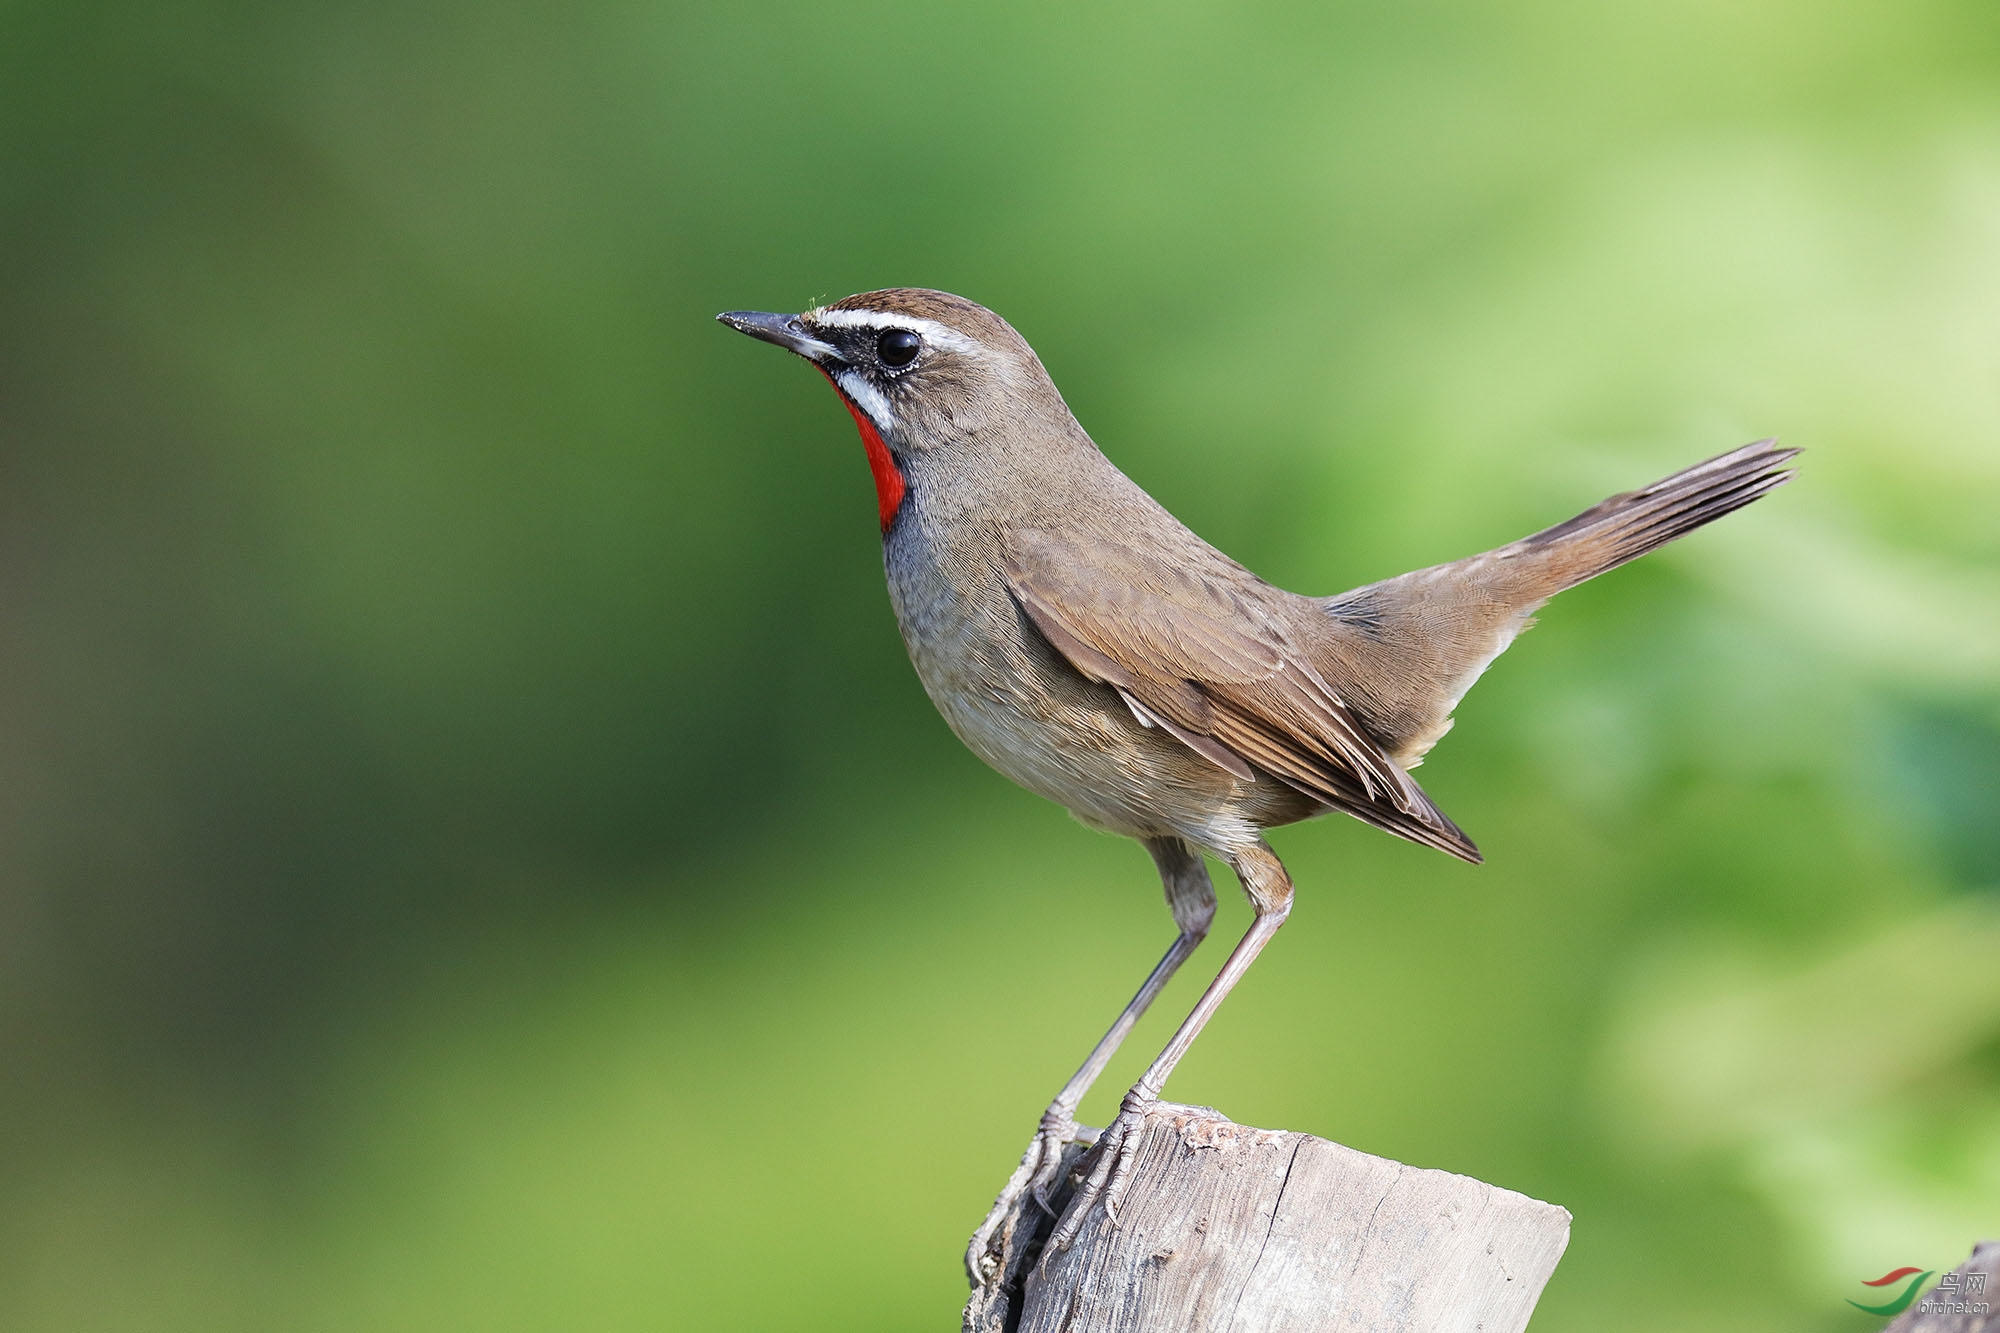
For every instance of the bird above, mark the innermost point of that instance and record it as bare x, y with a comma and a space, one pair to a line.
1085, 643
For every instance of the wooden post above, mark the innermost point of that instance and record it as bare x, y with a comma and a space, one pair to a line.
1247, 1230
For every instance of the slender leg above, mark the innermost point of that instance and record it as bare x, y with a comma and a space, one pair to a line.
1191, 898
1270, 892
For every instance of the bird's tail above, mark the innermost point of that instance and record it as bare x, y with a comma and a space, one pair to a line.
1626, 526
1408, 648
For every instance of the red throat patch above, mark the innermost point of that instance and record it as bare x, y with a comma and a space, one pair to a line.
890, 488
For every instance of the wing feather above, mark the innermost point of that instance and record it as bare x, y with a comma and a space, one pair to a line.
1206, 659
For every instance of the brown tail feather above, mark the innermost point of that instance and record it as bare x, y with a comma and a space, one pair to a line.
1404, 651
1627, 526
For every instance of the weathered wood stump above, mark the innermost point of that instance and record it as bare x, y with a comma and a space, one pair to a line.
1261, 1231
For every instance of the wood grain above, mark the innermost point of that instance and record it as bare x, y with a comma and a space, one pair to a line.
1229, 1228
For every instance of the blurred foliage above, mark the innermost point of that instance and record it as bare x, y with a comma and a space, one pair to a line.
475, 857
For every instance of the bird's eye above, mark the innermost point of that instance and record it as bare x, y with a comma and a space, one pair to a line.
897, 347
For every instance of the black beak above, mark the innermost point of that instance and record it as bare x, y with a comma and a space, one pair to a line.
784, 330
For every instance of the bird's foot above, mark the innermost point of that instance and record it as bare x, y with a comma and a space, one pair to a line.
1116, 1151
1039, 1167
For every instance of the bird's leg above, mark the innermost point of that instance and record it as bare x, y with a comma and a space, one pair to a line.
1270, 891
1191, 898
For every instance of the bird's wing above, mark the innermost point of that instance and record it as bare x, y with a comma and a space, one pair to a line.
1205, 658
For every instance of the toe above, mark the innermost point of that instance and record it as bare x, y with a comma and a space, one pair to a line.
1116, 1154
1121, 1173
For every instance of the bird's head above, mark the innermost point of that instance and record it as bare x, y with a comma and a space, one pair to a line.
922, 372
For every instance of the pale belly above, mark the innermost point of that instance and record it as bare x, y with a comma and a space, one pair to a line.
1034, 719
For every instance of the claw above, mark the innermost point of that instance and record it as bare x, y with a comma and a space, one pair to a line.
1055, 1133
1117, 1150
1036, 1173
1121, 1170
980, 1264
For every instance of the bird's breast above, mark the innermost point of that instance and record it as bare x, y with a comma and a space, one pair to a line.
965, 641
1013, 702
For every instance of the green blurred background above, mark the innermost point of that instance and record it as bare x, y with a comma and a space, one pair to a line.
474, 856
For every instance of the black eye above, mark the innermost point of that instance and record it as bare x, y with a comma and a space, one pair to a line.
898, 347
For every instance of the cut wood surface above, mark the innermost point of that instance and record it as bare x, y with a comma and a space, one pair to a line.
1225, 1227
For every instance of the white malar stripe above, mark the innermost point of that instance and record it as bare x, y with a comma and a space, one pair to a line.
932, 331
868, 398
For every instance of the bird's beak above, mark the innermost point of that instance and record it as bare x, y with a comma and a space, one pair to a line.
784, 330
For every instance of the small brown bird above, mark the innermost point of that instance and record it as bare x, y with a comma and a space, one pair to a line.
1077, 637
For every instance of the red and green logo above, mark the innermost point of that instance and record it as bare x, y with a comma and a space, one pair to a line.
1902, 1302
